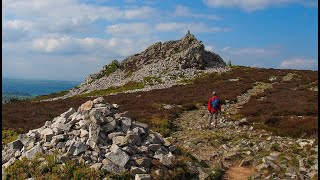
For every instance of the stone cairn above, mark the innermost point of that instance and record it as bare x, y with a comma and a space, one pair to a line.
98, 135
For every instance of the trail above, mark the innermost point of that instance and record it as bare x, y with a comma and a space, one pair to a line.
213, 146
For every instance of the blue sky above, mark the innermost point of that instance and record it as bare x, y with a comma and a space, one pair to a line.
70, 39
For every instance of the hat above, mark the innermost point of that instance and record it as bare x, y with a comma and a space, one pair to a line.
214, 93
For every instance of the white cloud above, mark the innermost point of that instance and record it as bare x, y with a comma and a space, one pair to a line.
252, 5
66, 16
14, 30
193, 27
55, 44
299, 63
129, 29
185, 12
143, 12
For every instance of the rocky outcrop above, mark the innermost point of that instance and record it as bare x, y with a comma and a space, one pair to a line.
97, 135
161, 65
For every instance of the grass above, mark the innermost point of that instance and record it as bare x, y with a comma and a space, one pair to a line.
51, 169
102, 92
9, 136
49, 96
151, 80
112, 67
289, 108
279, 101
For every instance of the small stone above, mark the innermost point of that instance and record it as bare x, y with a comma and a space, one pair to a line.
137, 170
142, 177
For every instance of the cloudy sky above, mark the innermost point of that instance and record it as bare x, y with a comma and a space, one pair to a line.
69, 39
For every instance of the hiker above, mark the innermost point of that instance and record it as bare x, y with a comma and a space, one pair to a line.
214, 107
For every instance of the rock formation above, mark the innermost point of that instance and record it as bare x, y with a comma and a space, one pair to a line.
98, 135
164, 63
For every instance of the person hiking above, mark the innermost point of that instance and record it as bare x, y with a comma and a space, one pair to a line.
214, 107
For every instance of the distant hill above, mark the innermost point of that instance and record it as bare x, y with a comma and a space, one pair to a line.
22, 88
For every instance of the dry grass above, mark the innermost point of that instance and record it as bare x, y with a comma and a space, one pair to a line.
289, 108
146, 106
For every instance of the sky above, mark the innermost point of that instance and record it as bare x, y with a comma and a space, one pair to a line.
70, 39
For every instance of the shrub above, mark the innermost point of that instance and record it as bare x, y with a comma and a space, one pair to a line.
9, 136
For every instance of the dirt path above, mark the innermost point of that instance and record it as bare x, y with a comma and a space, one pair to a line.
238, 173
211, 146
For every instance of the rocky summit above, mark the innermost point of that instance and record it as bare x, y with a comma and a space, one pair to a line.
161, 65
98, 135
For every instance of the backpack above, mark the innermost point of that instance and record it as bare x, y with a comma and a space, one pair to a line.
215, 104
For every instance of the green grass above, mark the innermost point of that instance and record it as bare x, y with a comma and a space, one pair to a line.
112, 67
9, 136
151, 80
102, 92
53, 95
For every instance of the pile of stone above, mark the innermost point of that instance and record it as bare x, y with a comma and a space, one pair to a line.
98, 135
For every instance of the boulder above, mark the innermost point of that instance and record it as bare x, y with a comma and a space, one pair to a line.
111, 167
85, 106
125, 124
94, 130
143, 162
68, 113
119, 140
30, 154
133, 138
97, 117
99, 100
117, 156
110, 125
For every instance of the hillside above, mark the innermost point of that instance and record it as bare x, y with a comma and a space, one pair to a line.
159, 66
261, 133
258, 95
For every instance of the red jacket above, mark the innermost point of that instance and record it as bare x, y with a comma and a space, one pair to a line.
209, 105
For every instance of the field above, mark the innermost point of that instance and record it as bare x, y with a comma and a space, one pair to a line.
289, 108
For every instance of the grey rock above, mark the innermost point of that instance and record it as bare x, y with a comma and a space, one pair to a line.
68, 113
84, 133
155, 138
99, 100
94, 130
8, 163
153, 147
143, 162
117, 156
133, 138
164, 159
109, 166
125, 124
130, 149
110, 125
79, 148
137, 170
58, 138
58, 121
33, 151
113, 134
142, 177
15, 145
97, 117
26, 140
84, 124
119, 140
